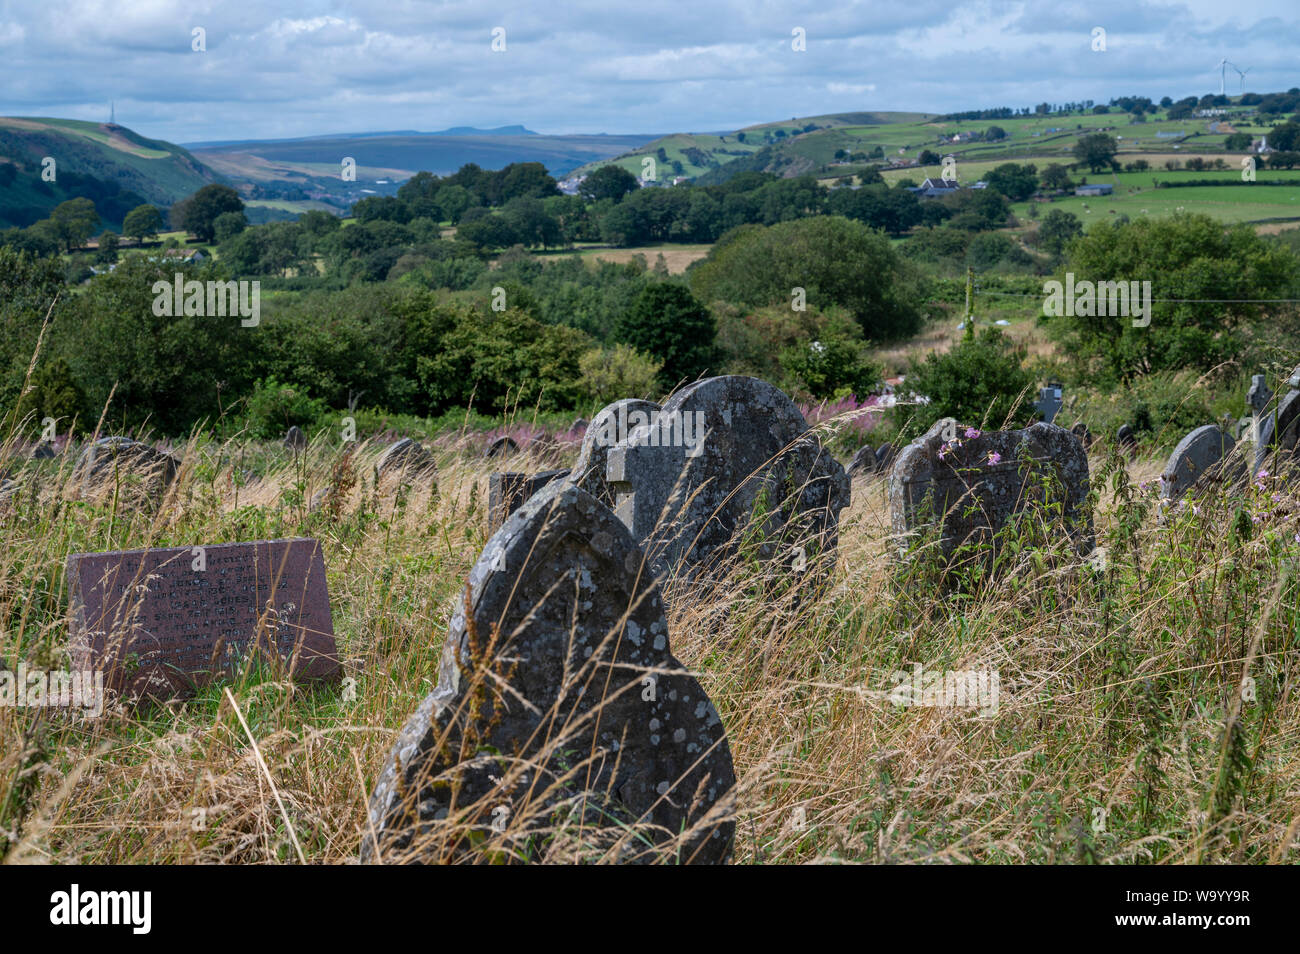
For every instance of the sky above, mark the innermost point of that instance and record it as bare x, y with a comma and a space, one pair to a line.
282, 69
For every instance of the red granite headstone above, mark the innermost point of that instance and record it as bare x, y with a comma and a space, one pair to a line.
163, 622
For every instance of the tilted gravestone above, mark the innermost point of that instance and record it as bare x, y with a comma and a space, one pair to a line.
163, 622
113, 464
508, 491
973, 485
725, 457
295, 440
1199, 455
405, 461
884, 457
562, 726
607, 429
1277, 429
863, 462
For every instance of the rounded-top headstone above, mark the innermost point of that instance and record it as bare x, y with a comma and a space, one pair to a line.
863, 462
724, 456
295, 439
501, 446
610, 426
407, 460
884, 457
559, 706
115, 461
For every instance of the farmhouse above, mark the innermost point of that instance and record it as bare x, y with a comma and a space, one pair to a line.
932, 188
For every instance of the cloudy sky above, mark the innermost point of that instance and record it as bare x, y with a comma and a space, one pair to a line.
277, 68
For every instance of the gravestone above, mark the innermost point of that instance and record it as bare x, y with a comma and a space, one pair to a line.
1080, 430
1275, 430
863, 463
972, 486
1049, 402
609, 427
884, 457
119, 464
558, 703
163, 622
722, 454
502, 445
405, 461
1127, 439
295, 439
43, 451
508, 491
1198, 455
579, 425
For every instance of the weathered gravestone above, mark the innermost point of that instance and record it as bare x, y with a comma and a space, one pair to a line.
405, 461
115, 464
43, 451
863, 462
507, 492
501, 446
1276, 429
162, 622
607, 429
972, 486
562, 727
884, 457
725, 456
295, 440
1126, 437
1201, 454
1080, 430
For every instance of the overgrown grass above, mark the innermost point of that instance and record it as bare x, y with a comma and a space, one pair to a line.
1122, 733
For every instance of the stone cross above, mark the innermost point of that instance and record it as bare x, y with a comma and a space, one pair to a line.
1049, 402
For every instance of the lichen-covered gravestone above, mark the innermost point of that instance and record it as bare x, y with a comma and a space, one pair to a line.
863, 462
130, 468
295, 440
608, 428
562, 728
725, 458
972, 483
1202, 452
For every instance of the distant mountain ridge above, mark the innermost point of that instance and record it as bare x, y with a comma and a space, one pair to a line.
515, 130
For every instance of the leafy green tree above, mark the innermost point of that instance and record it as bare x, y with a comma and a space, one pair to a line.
977, 382
1096, 151
75, 221
489, 232
29, 288
1286, 137
453, 201
835, 364
1017, 181
1056, 176
200, 211
317, 222
608, 182
833, 260
1057, 229
108, 243
1202, 276
227, 225
667, 322
142, 222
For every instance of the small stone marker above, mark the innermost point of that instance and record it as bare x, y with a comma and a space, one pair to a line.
1049, 402
973, 485
721, 450
884, 457
508, 491
1080, 430
863, 463
114, 463
1197, 455
562, 726
608, 428
295, 439
1259, 394
162, 622
406, 461
1127, 439
43, 451
502, 445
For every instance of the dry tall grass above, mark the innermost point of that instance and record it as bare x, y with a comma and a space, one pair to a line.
1122, 732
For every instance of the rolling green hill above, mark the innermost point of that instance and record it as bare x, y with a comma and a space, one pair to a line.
107, 163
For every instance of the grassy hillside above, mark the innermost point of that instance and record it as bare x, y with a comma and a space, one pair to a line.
97, 160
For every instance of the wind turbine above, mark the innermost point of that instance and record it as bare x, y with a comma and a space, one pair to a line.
1242, 74
1223, 73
